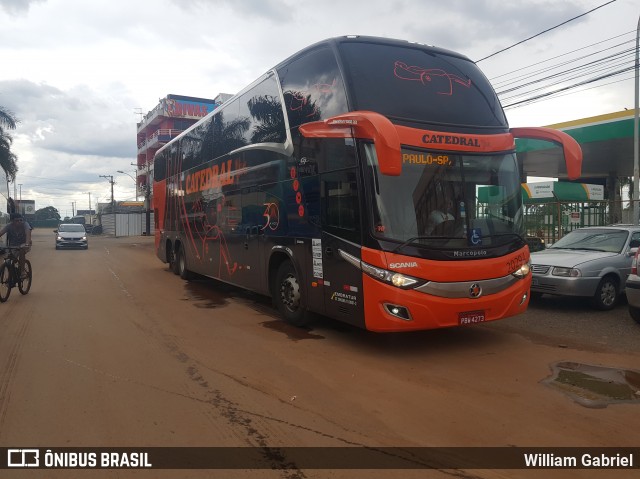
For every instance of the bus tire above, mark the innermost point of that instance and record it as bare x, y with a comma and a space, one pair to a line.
181, 262
288, 296
173, 263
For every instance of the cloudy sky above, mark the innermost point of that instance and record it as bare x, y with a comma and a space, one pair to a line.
76, 72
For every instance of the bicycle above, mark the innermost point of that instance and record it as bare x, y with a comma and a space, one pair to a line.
10, 274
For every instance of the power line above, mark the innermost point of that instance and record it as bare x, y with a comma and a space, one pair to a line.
545, 31
613, 61
566, 93
568, 53
523, 87
592, 80
603, 71
514, 79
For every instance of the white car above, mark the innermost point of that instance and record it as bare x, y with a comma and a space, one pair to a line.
71, 235
591, 262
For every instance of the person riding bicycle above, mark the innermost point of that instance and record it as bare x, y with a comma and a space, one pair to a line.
18, 236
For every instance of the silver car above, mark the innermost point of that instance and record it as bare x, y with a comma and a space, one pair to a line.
592, 262
632, 289
71, 235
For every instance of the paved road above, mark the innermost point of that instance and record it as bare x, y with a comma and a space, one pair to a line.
111, 349
572, 322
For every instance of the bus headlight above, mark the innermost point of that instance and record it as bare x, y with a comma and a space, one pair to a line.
522, 271
402, 281
398, 280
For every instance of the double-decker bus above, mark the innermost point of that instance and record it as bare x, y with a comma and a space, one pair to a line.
370, 180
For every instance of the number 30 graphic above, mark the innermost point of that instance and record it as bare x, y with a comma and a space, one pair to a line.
272, 216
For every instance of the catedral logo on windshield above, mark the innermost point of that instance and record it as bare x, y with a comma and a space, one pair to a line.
451, 140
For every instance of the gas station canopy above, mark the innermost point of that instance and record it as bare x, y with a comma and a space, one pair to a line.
607, 147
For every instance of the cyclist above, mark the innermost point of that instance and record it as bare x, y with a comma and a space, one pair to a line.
18, 236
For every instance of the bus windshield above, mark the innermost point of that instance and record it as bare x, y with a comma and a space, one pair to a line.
444, 200
410, 84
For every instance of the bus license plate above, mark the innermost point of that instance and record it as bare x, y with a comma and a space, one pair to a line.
470, 317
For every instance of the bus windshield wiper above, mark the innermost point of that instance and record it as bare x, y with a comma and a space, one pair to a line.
411, 240
416, 238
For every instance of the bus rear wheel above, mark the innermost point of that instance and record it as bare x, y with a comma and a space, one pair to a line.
173, 256
181, 262
289, 297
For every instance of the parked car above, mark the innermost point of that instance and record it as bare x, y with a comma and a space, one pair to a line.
592, 262
632, 289
71, 236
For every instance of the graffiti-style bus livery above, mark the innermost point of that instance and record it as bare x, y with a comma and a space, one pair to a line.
370, 180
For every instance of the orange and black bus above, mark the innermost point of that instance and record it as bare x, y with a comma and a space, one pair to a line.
370, 180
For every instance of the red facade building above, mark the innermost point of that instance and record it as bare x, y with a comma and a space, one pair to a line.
172, 115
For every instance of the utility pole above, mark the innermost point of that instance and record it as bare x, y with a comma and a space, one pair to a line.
147, 201
147, 195
90, 215
636, 139
113, 203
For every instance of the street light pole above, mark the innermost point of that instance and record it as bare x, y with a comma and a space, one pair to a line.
135, 182
113, 204
90, 215
147, 192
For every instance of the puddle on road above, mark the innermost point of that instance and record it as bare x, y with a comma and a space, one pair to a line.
204, 296
292, 332
595, 386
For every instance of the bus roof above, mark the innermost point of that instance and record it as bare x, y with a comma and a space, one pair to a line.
330, 42
375, 40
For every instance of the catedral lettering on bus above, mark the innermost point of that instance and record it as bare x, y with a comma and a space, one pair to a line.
370, 180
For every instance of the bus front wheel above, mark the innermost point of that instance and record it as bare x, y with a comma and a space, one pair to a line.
289, 297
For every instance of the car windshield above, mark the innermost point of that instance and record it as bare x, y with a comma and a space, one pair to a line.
610, 241
71, 228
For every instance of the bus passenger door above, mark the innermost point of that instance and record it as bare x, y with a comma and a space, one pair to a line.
250, 254
342, 281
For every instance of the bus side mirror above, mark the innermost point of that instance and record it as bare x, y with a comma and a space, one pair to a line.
364, 125
570, 147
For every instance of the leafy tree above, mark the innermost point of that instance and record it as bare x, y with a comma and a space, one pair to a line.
48, 213
8, 159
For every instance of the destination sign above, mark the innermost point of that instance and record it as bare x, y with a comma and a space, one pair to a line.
427, 159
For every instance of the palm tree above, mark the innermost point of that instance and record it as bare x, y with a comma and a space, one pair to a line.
8, 159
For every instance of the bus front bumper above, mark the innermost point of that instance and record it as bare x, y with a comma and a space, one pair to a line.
409, 309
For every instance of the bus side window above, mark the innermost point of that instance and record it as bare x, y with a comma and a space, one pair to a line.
160, 167
341, 208
313, 87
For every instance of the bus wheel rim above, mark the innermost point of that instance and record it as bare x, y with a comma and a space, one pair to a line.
290, 293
